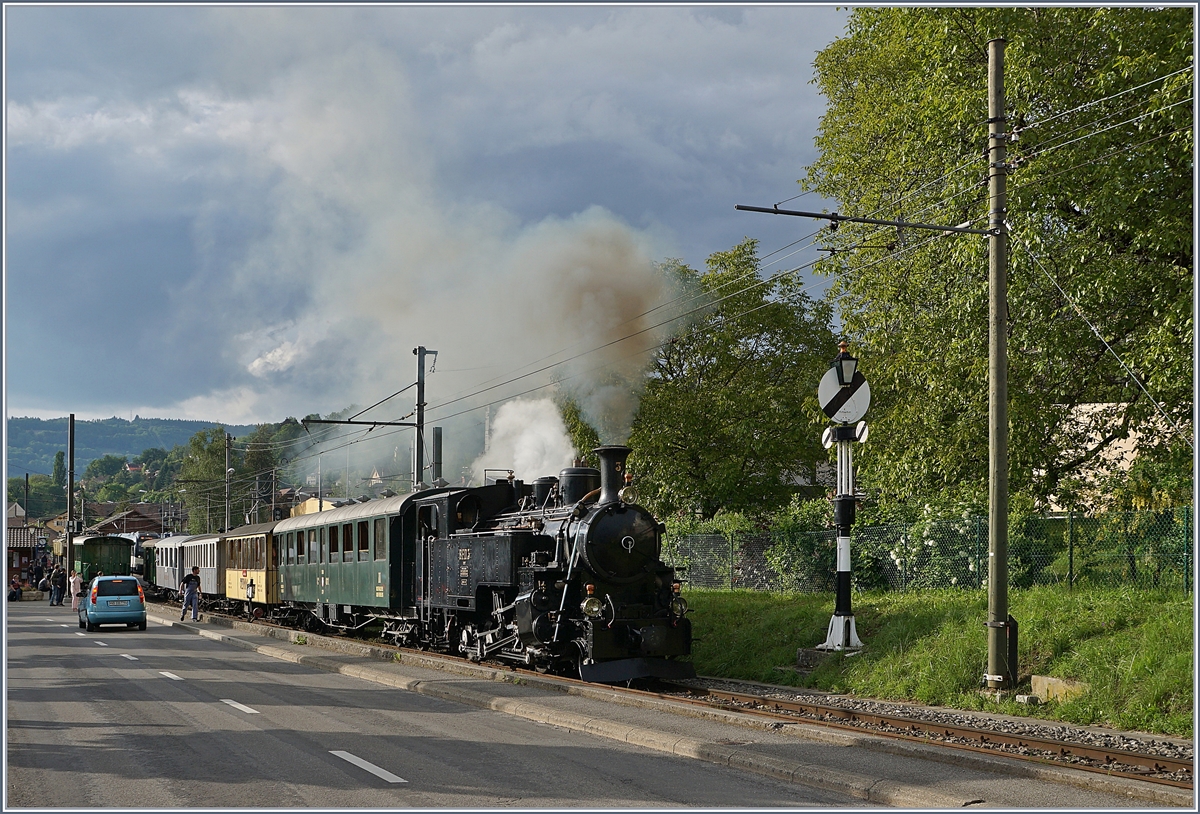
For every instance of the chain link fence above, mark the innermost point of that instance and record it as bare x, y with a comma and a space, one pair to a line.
1137, 549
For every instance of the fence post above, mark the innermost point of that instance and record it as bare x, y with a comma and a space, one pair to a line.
731, 562
1070, 549
980, 534
1187, 549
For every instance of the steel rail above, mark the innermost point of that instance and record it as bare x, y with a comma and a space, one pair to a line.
988, 740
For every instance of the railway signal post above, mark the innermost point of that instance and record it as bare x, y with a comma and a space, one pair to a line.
844, 395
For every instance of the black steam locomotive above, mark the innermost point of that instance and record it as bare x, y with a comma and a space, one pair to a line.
562, 575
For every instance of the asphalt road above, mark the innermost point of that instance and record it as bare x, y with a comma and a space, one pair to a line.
164, 718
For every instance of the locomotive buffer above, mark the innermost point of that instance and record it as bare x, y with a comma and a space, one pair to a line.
844, 395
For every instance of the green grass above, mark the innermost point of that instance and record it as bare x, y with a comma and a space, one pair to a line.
1134, 648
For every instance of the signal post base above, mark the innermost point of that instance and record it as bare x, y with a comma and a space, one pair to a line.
841, 635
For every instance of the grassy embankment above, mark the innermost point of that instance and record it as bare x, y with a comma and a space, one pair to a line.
1134, 649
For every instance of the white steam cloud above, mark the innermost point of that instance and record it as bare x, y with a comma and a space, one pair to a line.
359, 223
528, 437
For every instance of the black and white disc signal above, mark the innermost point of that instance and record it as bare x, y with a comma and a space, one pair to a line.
844, 404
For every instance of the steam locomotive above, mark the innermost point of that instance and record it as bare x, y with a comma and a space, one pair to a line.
562, 575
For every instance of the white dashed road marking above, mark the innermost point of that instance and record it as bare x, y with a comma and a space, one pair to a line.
64, 625
171, 676
370, 767
77, 633
102, 644
127, 656
236, 705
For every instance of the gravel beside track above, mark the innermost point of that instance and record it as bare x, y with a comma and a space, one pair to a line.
1141, 743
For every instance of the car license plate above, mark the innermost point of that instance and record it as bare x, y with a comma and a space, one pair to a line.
118, 603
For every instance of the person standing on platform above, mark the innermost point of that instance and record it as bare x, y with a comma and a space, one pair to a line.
58, 585
76, 583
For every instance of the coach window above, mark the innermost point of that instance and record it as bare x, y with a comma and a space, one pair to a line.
334, 539
364, 540
380, 538
348, 542
313, 550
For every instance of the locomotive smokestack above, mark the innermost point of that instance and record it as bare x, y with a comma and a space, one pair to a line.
612, 471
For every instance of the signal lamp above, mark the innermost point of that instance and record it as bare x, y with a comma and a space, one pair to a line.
845, 365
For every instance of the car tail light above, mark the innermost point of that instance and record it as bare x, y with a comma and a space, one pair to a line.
95, 590
141, 594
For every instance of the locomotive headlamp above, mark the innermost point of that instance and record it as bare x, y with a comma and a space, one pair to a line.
628, 494
679, 606
592, 607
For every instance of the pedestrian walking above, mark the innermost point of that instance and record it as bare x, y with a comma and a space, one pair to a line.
76, 584
190, 588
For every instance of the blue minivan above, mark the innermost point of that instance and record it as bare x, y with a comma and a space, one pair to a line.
113, 601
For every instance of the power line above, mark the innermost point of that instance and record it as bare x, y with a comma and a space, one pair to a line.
1045, 150
1163, 78
1107, 346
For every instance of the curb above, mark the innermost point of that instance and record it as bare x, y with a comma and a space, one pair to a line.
863, 787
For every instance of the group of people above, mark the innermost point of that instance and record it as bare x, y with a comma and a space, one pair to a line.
56, 583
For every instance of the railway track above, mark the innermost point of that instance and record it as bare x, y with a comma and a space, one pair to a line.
1147, 764
1148, 760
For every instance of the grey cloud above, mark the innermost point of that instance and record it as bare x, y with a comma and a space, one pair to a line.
316, 191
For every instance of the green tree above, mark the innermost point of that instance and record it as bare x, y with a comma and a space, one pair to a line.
1099, 203
105, 468
729, 419
202, 478
45, 498
583, 435
59, 477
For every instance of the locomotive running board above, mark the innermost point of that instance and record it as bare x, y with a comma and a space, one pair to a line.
612, 672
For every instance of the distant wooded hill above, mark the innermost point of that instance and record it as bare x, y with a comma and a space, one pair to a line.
32, 442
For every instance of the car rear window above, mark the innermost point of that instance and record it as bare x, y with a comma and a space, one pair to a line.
116, 587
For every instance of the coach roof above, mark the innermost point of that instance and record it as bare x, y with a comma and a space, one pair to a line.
357, 511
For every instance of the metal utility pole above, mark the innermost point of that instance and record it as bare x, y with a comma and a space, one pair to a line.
1002, 628
70, 488
1000, 673
419, 444
228, 449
